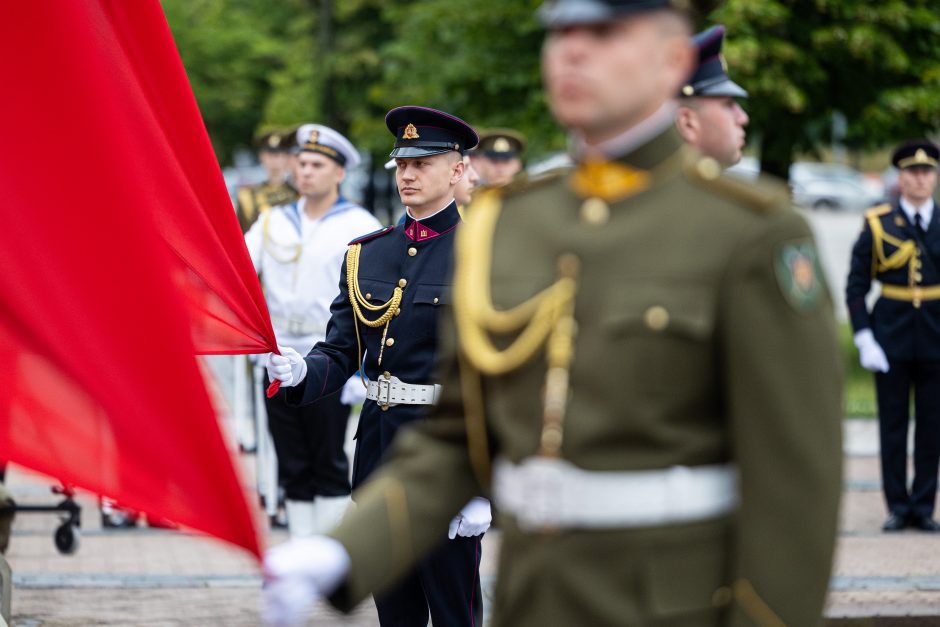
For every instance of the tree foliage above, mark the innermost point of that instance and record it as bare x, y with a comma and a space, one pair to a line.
878, 63
256, 64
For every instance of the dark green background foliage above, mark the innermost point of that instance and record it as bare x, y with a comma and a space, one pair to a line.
258, 64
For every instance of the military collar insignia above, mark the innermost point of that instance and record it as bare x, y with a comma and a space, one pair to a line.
411, 132
610, 180
433, 226
799, 274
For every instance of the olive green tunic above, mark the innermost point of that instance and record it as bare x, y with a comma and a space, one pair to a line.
705, 335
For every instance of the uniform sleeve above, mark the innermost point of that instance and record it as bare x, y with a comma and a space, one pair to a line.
403, 512
244, 208
859, 281
782, 375
331, 362
255, 244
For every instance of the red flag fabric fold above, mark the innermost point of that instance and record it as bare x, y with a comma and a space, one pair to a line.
121, 258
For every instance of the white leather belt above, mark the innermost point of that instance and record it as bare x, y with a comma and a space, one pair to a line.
298, 325
552, 493
392, 391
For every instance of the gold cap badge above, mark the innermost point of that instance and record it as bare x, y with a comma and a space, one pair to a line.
274, 140
410, 132
314, 136
501, 145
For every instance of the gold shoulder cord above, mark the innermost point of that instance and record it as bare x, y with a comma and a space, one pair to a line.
266, 239
546, 318
906, 249
358, 302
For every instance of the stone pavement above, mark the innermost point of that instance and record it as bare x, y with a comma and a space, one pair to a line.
157, 577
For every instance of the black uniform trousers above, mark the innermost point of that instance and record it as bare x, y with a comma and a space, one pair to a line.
894, 394
446, 584
309, 443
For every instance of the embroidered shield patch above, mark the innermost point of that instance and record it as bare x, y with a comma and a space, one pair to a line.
799, 274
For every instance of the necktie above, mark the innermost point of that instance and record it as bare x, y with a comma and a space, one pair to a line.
919, 223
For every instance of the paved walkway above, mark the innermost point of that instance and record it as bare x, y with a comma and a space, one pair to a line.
157, 577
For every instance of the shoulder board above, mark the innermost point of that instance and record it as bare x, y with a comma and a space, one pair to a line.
765, 195
372, 235
527, 182
880, 210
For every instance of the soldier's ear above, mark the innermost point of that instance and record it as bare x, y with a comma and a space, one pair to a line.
687, 123
457, 172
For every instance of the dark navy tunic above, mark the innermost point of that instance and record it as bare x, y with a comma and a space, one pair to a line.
418, 252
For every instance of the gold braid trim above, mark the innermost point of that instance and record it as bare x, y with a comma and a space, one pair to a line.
358, 302
545, 319
898, 259
754, 606
474, 311
266, 239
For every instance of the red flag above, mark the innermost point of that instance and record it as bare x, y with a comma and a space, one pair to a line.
112, 201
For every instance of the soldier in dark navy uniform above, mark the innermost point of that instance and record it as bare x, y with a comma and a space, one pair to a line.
709, 116
393, 286
899, 340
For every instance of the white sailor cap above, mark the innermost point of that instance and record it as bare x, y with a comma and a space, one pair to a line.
327, 142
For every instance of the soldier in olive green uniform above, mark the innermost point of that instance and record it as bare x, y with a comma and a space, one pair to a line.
274, 150
641, 370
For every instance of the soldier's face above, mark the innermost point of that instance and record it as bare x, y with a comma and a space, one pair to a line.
498, 171
467, 183
714, 125
917, 184
426, 184
602, 79
274, 163
317, 175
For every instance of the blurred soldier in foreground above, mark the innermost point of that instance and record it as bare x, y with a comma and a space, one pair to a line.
463, 192
642, 369
709, 115
274, 153
297, 250
900, 339
395, 283
498, 157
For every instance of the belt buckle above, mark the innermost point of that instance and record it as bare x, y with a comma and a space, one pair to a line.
544, 494
383, 391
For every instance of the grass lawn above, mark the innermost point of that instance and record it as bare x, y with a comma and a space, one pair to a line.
859, 383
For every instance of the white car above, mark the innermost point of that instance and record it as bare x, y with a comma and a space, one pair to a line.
834, 193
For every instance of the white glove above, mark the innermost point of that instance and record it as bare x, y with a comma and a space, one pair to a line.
354, 392
297, 574
870, 353
289, 367
473, 520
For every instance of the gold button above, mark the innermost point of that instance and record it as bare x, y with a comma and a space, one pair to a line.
387, 375
368, 296
384, 407
595, 212
688, 90
722, 596
398, 312
390, 341
412, 251
918, 277
436, 301
656, 318
402, 283
708, 168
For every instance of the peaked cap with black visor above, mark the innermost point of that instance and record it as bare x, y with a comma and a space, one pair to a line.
711, 76
422, 132
563, 13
